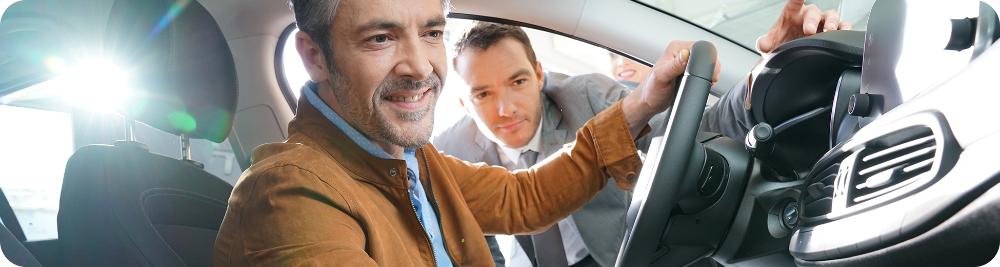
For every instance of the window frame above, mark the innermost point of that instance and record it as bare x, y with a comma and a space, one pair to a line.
467, 16
751, 49
279, 67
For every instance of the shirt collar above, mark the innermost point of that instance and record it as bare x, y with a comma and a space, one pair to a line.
309, 92
512, 154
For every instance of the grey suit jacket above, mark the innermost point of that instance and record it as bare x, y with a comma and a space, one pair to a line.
568, 102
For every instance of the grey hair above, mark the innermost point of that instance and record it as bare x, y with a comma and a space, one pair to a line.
314, 17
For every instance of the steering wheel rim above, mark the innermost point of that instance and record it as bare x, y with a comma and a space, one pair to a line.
667, 161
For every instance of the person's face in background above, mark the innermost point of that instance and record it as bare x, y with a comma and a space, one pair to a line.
504, 95
627, 71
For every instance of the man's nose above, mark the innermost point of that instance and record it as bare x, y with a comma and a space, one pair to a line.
506, 105
414, 62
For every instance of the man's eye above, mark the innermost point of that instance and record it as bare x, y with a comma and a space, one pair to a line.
434, 36
480, 96
520, 81
381, 38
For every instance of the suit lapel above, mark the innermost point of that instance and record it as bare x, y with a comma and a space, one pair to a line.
554, 134
487, 149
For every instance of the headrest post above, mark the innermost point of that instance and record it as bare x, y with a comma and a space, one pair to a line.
185, 147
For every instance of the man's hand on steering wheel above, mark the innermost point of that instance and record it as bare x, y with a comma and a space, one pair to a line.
656, 93
799, 20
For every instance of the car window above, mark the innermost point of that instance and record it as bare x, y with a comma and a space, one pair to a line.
556, 53
36, 144
745, 20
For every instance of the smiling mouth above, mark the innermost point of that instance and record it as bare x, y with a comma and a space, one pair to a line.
409, 100
626, 74
405, 99
511, 127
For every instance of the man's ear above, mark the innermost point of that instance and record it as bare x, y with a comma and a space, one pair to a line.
540, 75
312, 57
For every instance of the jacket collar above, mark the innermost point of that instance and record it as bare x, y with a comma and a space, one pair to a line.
312, 129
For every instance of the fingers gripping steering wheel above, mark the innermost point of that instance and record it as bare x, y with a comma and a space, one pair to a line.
667, 162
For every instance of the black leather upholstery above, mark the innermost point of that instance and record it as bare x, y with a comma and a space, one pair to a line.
14, 251
124, 206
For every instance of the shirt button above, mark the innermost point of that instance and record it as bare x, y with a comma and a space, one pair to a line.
393, 172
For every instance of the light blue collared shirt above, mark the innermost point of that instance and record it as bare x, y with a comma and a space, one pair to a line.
421, 204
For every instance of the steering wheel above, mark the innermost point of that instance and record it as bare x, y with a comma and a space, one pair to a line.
667, 162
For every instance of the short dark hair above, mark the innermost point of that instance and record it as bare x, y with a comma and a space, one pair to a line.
314, 17
483, 35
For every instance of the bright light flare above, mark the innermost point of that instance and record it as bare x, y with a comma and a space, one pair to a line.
95, 84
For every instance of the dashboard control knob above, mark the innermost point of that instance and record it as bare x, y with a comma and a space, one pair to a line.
859, 105
759, 140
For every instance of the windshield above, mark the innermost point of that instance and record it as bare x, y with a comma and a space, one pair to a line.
743, 21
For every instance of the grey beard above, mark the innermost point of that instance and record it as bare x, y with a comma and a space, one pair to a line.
372, 123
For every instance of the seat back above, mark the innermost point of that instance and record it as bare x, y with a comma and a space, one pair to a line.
124, 206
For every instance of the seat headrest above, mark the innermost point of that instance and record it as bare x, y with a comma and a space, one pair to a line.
183, 77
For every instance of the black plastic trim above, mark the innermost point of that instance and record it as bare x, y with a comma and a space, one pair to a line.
454, 15
889, 218
9, 218
279, 69
754, 50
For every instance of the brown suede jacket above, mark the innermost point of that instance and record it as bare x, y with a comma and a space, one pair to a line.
319, 199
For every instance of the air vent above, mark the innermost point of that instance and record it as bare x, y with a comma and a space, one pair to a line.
891, 162
818, 198
878, 166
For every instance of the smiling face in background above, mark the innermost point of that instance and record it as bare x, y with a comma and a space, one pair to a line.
388, 65
624, 69
504, 96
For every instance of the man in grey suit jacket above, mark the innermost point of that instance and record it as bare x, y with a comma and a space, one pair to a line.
601, 222
529, 111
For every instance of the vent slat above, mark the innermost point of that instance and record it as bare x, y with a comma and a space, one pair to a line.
918, 165
897, 148
893, 162
819, 194
893, 166
883, 191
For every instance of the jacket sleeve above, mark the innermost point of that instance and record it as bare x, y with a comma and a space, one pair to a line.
728, 116
530, 200
299, 221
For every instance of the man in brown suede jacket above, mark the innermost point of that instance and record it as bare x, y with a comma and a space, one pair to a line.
357, 182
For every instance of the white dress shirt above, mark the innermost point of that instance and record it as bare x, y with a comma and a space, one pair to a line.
572, 241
